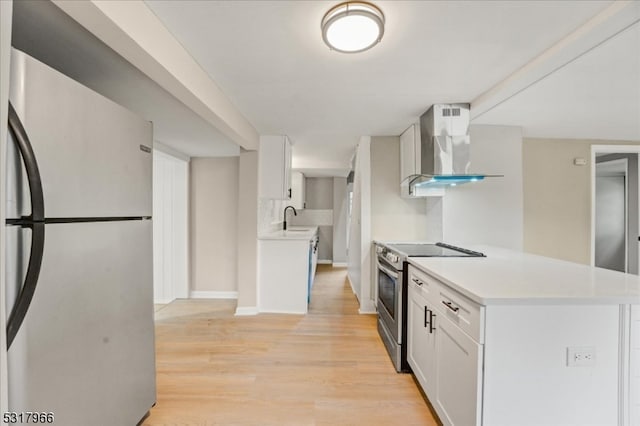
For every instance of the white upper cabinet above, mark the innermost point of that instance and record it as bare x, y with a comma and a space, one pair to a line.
297, 190
409, 156
410, 152
275, 167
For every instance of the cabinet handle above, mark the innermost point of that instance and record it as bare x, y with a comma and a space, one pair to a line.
417, 281
450, 306
432, 327
426, 315
289, 192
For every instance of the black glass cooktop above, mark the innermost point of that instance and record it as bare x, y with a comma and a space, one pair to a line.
433, 250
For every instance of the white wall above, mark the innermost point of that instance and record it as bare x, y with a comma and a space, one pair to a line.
340, 206
214, 187
170, 227
360, 251
394, 218
6, 7
488, 212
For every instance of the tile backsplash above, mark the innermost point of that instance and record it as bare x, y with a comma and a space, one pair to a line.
269, 215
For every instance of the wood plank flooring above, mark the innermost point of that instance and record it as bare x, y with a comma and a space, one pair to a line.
325, 368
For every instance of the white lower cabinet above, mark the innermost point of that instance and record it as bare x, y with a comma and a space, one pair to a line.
445, 360
421, 341
458, 375
510, 364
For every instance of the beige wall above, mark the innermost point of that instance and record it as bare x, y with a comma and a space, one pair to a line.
557, 197
214, 218
393, 217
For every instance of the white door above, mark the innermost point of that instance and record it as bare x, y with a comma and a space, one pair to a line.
170, 227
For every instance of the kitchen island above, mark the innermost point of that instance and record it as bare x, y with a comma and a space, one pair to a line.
519, 339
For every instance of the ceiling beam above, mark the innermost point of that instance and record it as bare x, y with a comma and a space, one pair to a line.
135, 32
616, 18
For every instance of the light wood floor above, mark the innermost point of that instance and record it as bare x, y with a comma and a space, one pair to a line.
325, 368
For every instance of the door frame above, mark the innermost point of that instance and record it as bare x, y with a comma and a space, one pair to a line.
625, 163
606, 149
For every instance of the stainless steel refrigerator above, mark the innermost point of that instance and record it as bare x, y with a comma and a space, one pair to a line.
79, 252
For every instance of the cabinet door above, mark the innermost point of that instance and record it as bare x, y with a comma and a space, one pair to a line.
409, 152
287, 169
421, 340
297, 190
459, 375
275, 167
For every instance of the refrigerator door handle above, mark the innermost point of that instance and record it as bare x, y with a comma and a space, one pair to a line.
28, 289
30, 164
35, 222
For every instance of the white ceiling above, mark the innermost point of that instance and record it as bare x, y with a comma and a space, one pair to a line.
269, 59
596, 96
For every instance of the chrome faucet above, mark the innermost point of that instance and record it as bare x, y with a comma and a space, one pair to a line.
295, 213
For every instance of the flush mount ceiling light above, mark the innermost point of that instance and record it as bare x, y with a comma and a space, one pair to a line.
352, 27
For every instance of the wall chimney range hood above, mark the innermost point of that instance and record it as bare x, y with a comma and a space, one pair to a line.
445, 149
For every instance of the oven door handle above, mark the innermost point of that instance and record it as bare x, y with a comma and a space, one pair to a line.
388, 271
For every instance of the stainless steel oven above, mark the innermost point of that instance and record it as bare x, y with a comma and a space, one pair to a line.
391, 262
390, 279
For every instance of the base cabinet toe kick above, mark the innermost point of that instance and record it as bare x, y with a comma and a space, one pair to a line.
522, 364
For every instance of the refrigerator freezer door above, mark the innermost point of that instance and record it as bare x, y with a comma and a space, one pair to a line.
86, 348
94, 155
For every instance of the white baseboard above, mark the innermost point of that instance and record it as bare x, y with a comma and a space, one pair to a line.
353, 290
214, 295
246, 310
324, 262
367, 308
162, 301
282, 311
340, 264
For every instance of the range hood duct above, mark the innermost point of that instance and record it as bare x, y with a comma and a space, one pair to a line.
445, 149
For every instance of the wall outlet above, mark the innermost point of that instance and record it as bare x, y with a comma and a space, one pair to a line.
581, 357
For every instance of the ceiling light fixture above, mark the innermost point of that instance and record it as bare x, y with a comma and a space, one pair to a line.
352, 27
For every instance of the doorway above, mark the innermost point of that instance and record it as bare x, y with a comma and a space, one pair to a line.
615, 208
170, 227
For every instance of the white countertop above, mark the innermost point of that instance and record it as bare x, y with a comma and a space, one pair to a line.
511, 277
295, 233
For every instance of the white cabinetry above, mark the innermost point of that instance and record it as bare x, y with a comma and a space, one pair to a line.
446, 361
485, 364
421, 349
458, 374
410, 152
286, 268
409, 156
297, 190
275, 167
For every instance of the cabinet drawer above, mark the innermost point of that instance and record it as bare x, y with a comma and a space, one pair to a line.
426, 285
462, 311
